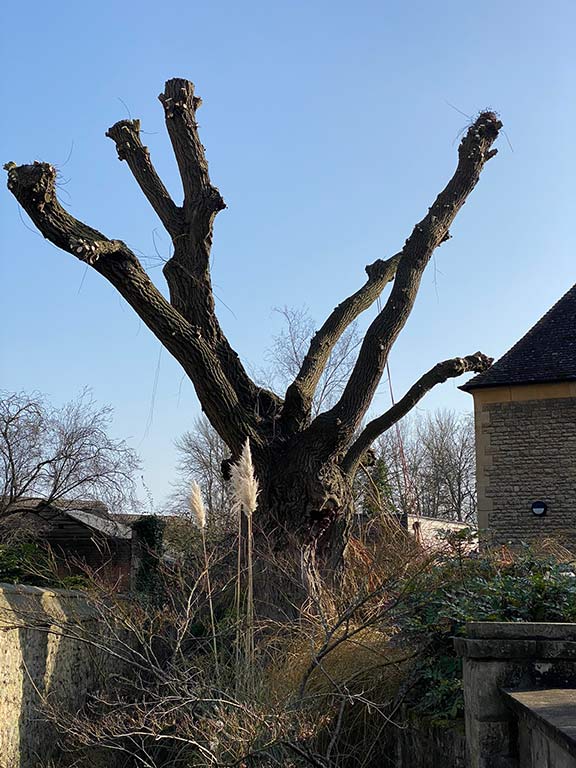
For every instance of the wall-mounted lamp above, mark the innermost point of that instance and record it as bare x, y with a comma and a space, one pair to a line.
539, 508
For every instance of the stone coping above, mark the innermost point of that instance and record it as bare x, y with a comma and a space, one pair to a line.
26, 607
25, 589
520, 630
554, 709
509, 649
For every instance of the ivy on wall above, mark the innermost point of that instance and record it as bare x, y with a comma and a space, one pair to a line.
148, 532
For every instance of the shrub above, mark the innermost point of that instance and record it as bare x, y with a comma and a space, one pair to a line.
327, 689
21, 562
455, 590
31, 563
149, 531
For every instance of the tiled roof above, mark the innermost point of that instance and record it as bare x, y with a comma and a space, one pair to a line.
547, 353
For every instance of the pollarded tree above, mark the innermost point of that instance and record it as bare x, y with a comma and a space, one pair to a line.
304, 463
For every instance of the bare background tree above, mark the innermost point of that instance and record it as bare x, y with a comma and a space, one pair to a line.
430, 462
288, 350
201, 452
305, 463
61, 453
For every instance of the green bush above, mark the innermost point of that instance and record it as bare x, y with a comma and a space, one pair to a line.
21, 563
457, 590
29, 562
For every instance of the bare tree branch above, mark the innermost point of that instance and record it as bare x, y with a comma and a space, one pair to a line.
180, 105
126, 135
34, 188
300, 393
437, 375
187, 271
473, 153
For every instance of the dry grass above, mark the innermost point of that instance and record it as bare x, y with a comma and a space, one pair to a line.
551, 547
362, 660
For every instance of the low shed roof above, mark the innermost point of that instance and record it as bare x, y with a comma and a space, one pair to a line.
93, 514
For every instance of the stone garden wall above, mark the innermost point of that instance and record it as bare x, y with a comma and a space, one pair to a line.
43, 659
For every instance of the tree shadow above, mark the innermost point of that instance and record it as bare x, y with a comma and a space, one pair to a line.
47, 666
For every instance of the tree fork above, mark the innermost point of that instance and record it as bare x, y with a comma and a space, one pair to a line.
34, 186
189, 226
300, 394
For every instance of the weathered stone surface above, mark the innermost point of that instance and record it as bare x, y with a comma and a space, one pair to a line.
421, 745
495, 761
40, 658
491, 738
521, 727
552, 711
482, 681
537, 751
519, 630
515, 649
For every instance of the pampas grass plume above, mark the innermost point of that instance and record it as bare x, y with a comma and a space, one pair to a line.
197, 505
244, 483
199, 511
245, 495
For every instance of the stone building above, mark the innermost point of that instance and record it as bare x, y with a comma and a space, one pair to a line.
525, 416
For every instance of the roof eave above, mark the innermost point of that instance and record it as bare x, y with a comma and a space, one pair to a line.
470, 386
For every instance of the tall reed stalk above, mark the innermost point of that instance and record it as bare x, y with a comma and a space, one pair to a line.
245, 500
199, 512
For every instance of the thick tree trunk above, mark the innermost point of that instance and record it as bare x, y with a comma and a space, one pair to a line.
302, 524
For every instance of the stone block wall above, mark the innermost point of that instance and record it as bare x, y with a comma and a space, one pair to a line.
421, 745
41, 661
504, 662
526, 452
546, 727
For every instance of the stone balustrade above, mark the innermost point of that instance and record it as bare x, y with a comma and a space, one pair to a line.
520, 694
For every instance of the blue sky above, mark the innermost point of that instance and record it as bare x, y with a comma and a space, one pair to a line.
329, 131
